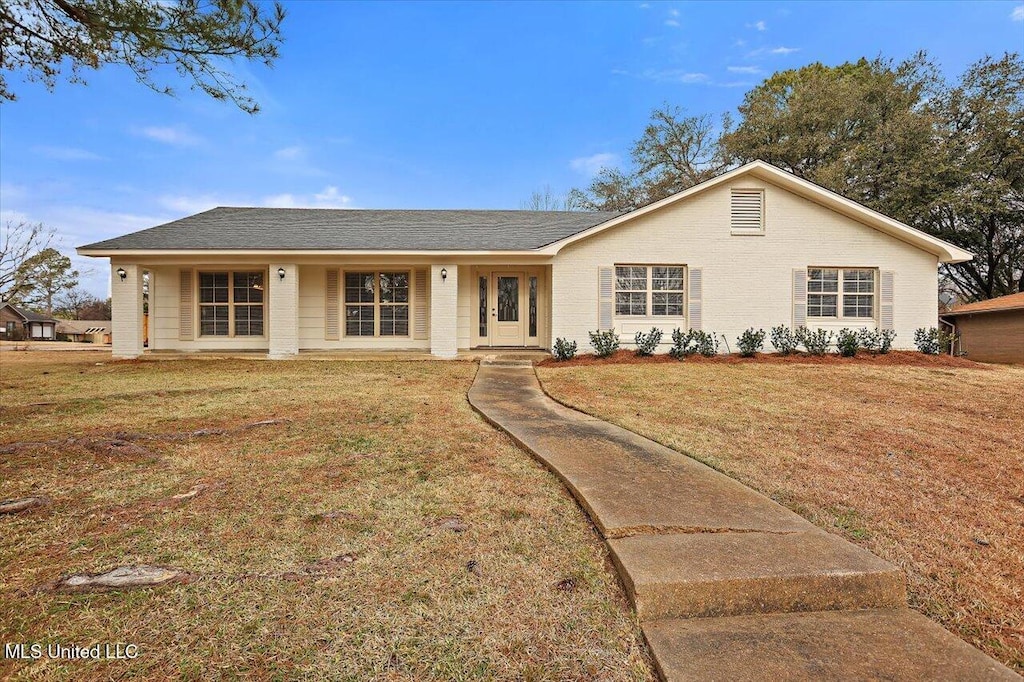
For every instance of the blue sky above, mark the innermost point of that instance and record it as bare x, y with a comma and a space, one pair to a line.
420, 105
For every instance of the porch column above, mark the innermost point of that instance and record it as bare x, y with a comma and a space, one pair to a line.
283, 310
444, 308
126, 310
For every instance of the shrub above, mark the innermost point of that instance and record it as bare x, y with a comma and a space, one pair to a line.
691, 342
784, 339
750, 342
681, 344
816, 342
932, 341
869, 339
647, 343
885, 339
847, 343
604, 342
705, 343
564, 349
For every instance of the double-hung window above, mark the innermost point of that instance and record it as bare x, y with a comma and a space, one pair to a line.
231, 303
841, 293
377, 303
642, 290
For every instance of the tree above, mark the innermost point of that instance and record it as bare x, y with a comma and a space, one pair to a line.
18, 241
675, 152
945, 159
78, 304
42, 37
546, 200
48, 273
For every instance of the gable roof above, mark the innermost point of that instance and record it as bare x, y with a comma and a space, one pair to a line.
269, 230
992, 305
321, 229
26, 315
946, 252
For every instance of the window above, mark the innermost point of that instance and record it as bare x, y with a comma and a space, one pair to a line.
12, 327
231, 310
483, 307
377, 303
657, 288
533, 307
856, 287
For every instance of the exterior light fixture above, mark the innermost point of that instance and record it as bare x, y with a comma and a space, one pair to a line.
444, 274
122, 274
280, 273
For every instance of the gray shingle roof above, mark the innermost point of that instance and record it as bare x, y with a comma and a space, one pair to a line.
343, 229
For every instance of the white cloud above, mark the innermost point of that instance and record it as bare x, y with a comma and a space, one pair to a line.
673, 13
644, 5
667, 76
785, 50
759, 25
293, 153
189, 205
592, 165
329, 197
781, 50
743, 69
672, 22
173, 135
66, 153
1018, 13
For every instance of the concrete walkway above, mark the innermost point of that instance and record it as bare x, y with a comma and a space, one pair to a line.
727, 584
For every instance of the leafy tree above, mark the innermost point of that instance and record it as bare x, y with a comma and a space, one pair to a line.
675, 152
18, 241
43, 37
48, 273
946, 159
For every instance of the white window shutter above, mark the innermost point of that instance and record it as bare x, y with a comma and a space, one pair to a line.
332, 304
421, 323
186, 327
747, 210
800, 298
606, 306
885, 302
696, 297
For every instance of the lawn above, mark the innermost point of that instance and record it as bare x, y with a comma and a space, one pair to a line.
924, 466
377, 529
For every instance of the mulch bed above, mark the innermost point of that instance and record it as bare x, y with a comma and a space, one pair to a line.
895, 358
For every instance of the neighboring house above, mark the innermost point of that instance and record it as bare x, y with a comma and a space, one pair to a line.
86, 331
17, 324
756, 246
990, 331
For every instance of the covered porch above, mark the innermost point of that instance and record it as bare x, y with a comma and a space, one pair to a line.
346, 305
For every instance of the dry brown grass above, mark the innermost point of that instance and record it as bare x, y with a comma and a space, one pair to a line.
924, 466
375, 458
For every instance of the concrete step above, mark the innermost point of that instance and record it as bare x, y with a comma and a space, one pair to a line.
726, 574
896, 644
506, 362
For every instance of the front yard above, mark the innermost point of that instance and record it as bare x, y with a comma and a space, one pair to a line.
923, 466
377, 528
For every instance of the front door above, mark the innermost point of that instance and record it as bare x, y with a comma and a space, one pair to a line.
507, 319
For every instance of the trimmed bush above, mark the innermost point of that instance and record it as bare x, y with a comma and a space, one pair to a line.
784, 340
681, 346
647, 343
705, 343
816, 342
604, 342
847, 343
563, 349
869, 339
750, 341
932, 341
691, 342
885, 339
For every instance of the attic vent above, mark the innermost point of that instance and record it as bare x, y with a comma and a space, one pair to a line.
747, 211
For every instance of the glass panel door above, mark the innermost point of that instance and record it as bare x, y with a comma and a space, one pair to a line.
508, 299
